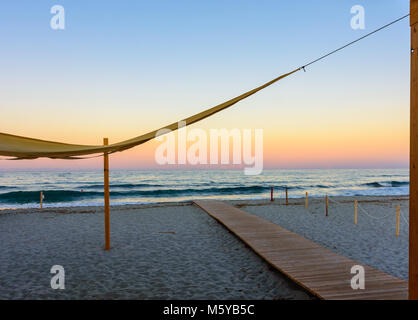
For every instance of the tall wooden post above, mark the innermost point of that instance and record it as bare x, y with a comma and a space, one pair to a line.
413, 162
106, 196
42, 198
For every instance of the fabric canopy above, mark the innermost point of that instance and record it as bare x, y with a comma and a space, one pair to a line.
28, 148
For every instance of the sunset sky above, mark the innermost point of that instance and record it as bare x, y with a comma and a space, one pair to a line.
123, 68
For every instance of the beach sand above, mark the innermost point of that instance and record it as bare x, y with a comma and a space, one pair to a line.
162, 251
176, 251
371, 242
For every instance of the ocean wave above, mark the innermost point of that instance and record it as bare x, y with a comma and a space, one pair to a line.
141, 185
120, 186
20, 197
399, 183
385, 184
6, 187
50, 196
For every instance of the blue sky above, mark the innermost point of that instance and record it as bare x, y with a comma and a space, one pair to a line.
137, 65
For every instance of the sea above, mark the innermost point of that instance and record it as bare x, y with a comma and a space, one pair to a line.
19, 189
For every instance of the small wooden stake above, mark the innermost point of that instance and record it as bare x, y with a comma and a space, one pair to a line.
42, 198
355, 211
287, 201
106, 196
306, 201
398, 211
326, 205
271, 195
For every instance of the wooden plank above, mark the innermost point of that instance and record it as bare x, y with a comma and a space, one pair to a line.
322, 272
413, 163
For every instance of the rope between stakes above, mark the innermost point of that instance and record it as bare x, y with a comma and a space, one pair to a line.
402, 215
369, 215
335, 201
333, 218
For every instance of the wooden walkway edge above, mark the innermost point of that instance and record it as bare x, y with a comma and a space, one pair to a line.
322, 272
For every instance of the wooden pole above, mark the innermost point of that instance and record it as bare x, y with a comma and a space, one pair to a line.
413, 154
42, 198
355, 211
398, 209
287, 201
326, 205
271, 194
106, 196
306, 201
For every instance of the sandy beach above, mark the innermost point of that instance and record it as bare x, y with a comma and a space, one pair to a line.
170, 251
176, 251
372, 241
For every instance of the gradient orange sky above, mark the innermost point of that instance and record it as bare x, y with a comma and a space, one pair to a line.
86, 82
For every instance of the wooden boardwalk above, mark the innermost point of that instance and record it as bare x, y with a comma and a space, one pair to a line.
323, 272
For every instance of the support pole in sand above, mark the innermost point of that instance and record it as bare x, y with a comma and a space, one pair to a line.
106, 196
413, 154
398, 210
355, 211
271, 194
306, 201
326, 205
287, 201
42, 198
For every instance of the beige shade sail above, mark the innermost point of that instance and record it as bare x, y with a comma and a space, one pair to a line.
19, 147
